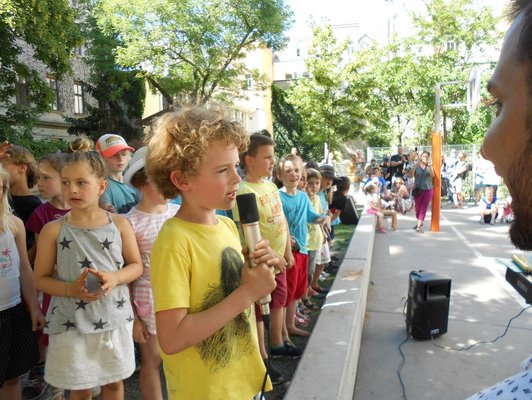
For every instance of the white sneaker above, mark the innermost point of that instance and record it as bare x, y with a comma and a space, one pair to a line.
56, 393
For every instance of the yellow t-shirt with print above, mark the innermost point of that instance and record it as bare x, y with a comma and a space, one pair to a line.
196, 266
315, 234
272, 222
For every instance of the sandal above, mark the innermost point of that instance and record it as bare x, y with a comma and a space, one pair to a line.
319, 289
310, 305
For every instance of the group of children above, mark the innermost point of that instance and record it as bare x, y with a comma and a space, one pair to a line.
116, 262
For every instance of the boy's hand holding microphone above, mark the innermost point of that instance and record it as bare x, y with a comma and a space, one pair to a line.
261, 276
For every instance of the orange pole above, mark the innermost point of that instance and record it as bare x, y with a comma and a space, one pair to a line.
436, 163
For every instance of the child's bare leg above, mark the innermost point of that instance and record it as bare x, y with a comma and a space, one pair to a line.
260, 335
85, 394
394, 220
316, 276
11, 389
113, 391
150, 377
290, 321
276, 330
380, 220
286, 336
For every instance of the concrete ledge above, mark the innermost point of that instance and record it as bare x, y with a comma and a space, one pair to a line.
328, 368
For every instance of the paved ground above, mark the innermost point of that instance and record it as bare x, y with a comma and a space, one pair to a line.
481, 305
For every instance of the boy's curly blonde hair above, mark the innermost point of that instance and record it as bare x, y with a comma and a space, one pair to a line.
180, 139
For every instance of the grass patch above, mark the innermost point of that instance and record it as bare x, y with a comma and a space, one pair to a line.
342, 238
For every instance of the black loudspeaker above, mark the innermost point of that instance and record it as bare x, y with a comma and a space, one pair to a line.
427, 310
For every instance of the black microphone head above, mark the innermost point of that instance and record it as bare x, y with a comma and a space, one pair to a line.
247, 208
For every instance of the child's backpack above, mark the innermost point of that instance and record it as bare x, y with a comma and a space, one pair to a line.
349, 215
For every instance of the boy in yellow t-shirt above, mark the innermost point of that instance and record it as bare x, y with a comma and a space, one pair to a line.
258, 162
203, 290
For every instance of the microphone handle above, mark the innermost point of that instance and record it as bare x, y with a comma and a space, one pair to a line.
252, 237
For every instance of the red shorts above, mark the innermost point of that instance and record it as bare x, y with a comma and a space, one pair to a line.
278, 295
296, 278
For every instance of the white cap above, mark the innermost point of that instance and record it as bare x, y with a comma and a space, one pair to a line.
138, 161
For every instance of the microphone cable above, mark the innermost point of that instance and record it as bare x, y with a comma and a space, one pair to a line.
266, 321
465, 348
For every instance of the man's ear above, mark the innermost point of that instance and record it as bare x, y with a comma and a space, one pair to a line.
179, 180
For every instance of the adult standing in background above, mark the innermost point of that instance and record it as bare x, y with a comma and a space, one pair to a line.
424, 188
457, 179
449, 164
397, 163
479, 174
357, 164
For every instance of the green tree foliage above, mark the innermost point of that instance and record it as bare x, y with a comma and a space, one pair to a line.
449, 39
329, 110
381, 93
120, 93
288, 127
49, 27
193, 49
470, 28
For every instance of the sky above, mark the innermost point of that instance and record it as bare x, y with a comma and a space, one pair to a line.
363, 12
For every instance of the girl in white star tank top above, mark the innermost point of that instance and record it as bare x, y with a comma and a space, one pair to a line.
90, 317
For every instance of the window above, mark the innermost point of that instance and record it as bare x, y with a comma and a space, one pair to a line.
54, 85
298, 52
22, 92
451, 45
79, 98
249, 82
288, 76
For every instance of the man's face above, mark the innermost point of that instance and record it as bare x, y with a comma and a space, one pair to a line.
508, 141
400, 150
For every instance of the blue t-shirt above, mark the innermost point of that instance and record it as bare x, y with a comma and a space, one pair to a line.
299, 212
488, 205
121, 196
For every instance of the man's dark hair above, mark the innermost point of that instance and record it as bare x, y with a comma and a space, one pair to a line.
523, 8
524, 45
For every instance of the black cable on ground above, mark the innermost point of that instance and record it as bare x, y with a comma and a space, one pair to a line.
482, 341
266, 320
401, 366
403, 361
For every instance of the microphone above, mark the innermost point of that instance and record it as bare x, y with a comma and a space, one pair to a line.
249, 220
